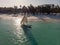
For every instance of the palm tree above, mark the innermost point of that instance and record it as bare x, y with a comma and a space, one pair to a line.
24, 9
32, 9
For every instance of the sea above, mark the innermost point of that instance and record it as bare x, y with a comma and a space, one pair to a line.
40, 33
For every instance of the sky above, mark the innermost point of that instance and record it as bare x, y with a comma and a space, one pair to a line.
11, 3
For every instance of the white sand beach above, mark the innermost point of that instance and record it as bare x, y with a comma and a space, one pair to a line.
32, 18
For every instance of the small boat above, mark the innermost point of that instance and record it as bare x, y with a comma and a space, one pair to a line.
24, 22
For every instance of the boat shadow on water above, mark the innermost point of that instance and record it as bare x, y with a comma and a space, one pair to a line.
29, 35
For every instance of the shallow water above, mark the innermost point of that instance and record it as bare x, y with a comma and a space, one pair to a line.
42, 33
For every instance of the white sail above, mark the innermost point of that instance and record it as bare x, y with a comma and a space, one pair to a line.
24, 20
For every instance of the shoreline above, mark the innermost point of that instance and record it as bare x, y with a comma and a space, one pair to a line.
41, 18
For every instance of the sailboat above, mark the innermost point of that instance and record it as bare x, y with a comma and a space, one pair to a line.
24, 22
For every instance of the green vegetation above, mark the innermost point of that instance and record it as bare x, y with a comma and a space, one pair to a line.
46, 8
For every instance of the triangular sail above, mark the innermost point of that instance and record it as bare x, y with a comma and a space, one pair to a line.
24, 20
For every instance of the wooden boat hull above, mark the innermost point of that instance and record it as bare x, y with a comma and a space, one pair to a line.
26, 26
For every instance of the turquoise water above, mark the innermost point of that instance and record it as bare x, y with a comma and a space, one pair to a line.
42, 33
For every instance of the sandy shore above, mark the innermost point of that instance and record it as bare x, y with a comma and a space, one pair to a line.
31, 18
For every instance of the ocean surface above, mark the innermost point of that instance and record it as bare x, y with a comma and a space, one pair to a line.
41, 33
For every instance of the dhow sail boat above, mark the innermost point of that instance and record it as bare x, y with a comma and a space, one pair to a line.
24, 22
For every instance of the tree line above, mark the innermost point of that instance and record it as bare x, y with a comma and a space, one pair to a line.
46, 8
